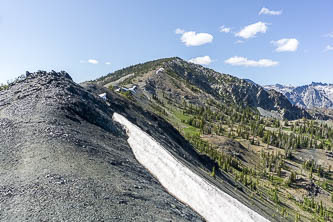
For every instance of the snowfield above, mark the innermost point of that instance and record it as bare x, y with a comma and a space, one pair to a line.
210, 202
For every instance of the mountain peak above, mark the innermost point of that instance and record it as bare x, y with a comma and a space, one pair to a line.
52, 75
318, 84
314, 95
196, 83
60, 147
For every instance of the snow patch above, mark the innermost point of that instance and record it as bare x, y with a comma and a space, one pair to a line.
103, 96
181, 182
159, 70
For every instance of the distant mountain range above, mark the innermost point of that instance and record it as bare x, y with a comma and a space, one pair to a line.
314, 95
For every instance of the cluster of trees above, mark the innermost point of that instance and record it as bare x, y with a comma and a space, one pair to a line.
317, 208
313, 128
226, 162
273, 162
3, 87
247, 178
313, 167
246, 123
238, 122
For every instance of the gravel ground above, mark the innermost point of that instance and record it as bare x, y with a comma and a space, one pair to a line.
62, 158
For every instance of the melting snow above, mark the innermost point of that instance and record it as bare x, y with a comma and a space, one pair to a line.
210, 202
159, 70
103, 96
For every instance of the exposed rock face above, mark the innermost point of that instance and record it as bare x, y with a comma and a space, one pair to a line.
197, 84
314, 95
62, 158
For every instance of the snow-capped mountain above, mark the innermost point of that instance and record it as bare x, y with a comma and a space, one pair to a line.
314, 95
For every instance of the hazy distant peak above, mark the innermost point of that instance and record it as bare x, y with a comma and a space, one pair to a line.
314, 95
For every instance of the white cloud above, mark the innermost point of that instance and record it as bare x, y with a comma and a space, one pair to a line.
286, 45
242, 61
266, 11
193, 38
179, 31
204, 60
225, 29
251, 30
108, 63
328, 48
93, 61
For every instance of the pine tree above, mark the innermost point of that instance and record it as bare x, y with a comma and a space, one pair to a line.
275, 197
297, 217
213, 172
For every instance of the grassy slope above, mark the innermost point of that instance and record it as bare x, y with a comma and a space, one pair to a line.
288, 200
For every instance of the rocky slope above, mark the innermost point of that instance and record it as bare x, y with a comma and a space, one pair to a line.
314, 95
63, 158
196, 84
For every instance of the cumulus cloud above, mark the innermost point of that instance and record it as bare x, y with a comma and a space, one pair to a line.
179, 31
251, 30
328, 48
225, 29
93, 61
242, 61
266, 11
204, 60
286, 45
194, 39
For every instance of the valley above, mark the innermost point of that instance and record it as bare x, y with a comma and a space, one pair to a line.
285, 162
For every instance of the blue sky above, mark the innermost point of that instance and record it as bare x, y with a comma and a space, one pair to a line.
290, 42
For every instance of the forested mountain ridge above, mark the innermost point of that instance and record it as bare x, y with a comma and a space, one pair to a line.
203, 81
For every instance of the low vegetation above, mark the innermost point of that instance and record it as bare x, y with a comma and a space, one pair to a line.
3, 87
287, 163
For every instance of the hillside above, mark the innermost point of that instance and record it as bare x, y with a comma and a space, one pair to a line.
285, 162
160, 144
64, 156
195, 84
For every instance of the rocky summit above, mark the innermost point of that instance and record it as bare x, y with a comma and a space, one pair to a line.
62, 158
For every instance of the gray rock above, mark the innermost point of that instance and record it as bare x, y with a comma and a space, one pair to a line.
64, 159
